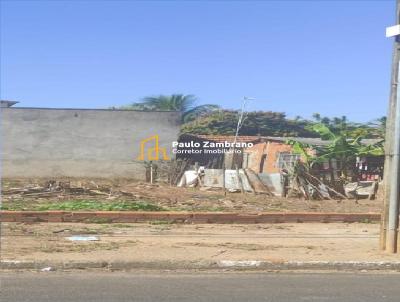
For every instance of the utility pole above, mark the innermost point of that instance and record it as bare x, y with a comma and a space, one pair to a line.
242, 116
241, 119
390, 216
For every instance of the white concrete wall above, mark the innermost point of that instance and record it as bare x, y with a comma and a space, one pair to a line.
39, 142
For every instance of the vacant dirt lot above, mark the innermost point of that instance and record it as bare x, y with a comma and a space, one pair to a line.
181, 242
121, 195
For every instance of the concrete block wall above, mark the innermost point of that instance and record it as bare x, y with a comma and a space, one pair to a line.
43, 142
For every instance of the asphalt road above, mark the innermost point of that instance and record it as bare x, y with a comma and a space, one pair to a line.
221, 287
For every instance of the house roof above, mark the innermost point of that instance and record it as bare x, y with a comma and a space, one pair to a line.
318, 141
253, 139
229, 138
304, 140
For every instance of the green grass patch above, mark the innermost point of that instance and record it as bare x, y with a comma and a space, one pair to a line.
87, 205
95, 205
15, 205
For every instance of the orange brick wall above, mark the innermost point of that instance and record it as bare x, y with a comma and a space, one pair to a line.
255, 155
271, 150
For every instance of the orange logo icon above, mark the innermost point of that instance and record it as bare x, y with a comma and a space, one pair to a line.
153, 152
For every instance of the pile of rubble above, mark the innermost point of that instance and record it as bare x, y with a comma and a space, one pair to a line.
53, 188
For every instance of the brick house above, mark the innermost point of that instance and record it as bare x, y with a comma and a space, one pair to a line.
270, 154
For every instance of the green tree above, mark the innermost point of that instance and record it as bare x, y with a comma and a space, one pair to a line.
186, 104
375, 129
265, 123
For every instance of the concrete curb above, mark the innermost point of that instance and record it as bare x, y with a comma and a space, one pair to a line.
205, 265
184, 217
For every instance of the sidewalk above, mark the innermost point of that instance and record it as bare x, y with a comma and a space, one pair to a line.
175, 246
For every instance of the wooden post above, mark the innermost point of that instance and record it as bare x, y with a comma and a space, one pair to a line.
239, 179
151, 172
223, 178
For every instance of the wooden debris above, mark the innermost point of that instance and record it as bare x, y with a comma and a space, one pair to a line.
307, 185
257, 185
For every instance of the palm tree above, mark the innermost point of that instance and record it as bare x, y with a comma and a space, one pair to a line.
379, 126
317, 117
186, 104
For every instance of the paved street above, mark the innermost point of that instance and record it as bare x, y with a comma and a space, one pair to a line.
221, 287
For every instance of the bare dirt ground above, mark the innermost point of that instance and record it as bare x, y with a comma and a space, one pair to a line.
161, 241
180, 242
168, 198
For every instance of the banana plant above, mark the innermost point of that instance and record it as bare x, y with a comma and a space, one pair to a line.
342, 147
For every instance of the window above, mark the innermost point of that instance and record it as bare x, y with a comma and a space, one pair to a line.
286, 159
